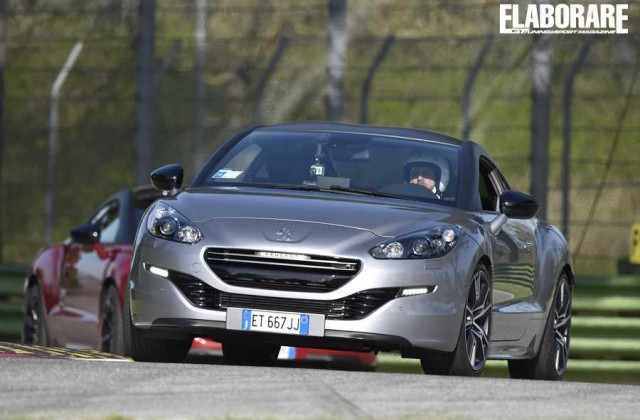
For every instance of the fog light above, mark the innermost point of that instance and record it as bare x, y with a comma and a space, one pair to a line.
418, 291
162, 272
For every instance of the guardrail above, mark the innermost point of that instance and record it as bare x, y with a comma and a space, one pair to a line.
11, 283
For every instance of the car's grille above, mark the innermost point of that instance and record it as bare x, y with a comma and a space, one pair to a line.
280, 271
356, 306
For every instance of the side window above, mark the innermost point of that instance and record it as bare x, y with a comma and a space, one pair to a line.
487, 190
108, 221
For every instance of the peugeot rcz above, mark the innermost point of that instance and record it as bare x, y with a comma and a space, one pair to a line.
351, 237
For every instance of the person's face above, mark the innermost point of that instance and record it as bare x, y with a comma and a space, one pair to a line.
423, 177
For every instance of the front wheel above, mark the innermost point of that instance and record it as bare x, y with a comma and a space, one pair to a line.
143, 348
34, 324
553, 356
470, 355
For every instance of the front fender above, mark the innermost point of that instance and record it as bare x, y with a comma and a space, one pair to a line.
47, 271
118, 270
553, 257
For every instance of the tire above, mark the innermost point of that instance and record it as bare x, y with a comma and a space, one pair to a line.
249, 352
143, 348
470, 355
553, 356
34, 324
111, 322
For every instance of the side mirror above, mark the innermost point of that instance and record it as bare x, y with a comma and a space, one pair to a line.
86, 234
167, 179
517, 205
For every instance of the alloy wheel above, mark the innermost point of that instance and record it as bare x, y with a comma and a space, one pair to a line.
562, 326
477, 319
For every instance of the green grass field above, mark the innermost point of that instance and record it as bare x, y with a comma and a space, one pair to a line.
605, 345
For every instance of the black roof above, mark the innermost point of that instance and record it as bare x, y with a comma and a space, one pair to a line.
365, 129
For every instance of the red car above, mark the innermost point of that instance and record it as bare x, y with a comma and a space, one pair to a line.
75, 292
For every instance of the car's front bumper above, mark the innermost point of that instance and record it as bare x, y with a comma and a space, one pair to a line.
408, 323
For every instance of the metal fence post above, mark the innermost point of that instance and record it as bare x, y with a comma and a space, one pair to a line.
337, 58
366, 86
3, 57
56, 88
567, 120
470, 82
200, 112
541, 66
145, 89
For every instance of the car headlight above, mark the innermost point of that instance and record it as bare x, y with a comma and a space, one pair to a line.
433, 243
165, 222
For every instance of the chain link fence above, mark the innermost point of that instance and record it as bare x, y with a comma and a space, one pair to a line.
222, 65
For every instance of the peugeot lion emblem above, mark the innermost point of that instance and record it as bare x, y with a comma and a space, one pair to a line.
284, 234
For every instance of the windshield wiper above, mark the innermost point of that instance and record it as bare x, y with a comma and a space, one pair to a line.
330, 188
339, 188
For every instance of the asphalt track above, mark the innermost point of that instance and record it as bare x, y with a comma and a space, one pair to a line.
99, 388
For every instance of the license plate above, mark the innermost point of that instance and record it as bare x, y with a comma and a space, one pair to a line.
277, 322
293, 323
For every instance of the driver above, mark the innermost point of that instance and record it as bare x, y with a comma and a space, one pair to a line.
424, 174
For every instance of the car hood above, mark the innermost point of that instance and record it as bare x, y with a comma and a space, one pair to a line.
380, 216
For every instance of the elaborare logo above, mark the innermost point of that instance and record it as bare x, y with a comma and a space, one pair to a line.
564, 18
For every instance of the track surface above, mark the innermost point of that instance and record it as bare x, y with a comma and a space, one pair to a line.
49, 388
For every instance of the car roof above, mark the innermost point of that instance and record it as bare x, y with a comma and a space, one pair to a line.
335, 127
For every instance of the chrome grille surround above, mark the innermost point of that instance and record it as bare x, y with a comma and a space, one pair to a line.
279, 270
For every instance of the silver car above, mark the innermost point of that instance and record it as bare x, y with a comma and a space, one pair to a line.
351, 237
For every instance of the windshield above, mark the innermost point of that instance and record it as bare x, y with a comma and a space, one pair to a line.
339, 162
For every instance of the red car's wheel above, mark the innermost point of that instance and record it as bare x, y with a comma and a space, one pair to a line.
111, 322
34, 328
